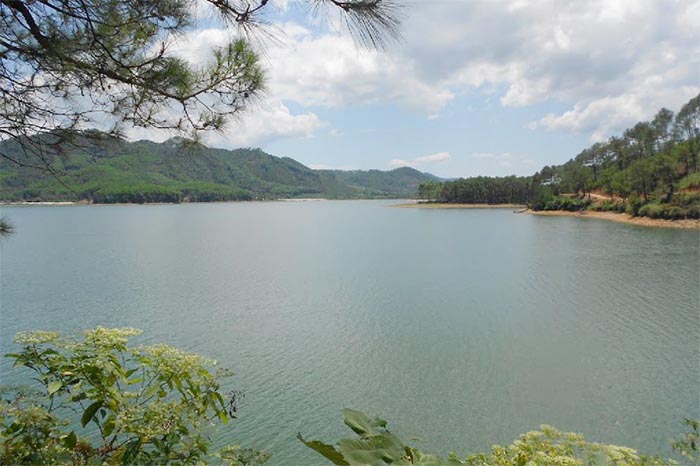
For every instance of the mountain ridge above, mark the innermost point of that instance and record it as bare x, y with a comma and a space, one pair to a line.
106, 169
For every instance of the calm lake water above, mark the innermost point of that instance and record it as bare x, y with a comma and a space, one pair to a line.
462, 327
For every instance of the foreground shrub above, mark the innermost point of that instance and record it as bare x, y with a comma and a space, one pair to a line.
100, 401
377, 446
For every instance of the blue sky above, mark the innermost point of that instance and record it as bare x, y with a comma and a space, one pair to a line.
476, 87
479, 135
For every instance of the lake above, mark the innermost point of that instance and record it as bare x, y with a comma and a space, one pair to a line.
461, 327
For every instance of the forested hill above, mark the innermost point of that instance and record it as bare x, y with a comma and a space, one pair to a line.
652, 169
112, 170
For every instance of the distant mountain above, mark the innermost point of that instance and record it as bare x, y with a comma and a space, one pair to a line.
113, 170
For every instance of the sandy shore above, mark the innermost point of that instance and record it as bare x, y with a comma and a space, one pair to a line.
688, 224
425, 205
40, 203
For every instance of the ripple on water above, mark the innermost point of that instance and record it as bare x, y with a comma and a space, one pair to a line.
462, 327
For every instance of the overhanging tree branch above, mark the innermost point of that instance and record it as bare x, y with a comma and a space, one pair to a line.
62, 62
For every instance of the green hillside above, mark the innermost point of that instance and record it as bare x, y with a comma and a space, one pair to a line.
109, 170
651, 170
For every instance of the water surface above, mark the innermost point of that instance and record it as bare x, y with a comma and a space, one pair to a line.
462, 327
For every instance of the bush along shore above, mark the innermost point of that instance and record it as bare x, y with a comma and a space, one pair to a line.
681, 207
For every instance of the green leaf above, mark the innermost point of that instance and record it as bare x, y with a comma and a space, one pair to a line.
150, 391
359, 453
14, 427
327, 451
90, 412
218, 397
136, 380
131, 451
108, 426
54, 386
377, 450
70, 440
361, 424
422, 459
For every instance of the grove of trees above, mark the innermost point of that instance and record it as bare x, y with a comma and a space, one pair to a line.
488, 190
651, 170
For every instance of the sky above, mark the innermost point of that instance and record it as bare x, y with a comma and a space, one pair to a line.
474, 87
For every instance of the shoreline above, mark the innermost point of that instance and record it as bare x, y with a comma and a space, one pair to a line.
686, 224
40, 203
436, 205
243, 201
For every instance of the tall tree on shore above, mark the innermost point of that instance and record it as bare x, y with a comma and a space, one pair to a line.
429, 191
687, 127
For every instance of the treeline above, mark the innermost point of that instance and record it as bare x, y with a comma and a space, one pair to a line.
480, 190
138, 193
145, 193
652, 170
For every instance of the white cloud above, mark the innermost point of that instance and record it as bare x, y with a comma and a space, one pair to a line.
196, 46
331, 71
439, 157
267, 121
629, 58
400, 163
658, 80
434, 158
314, 70
608, 63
